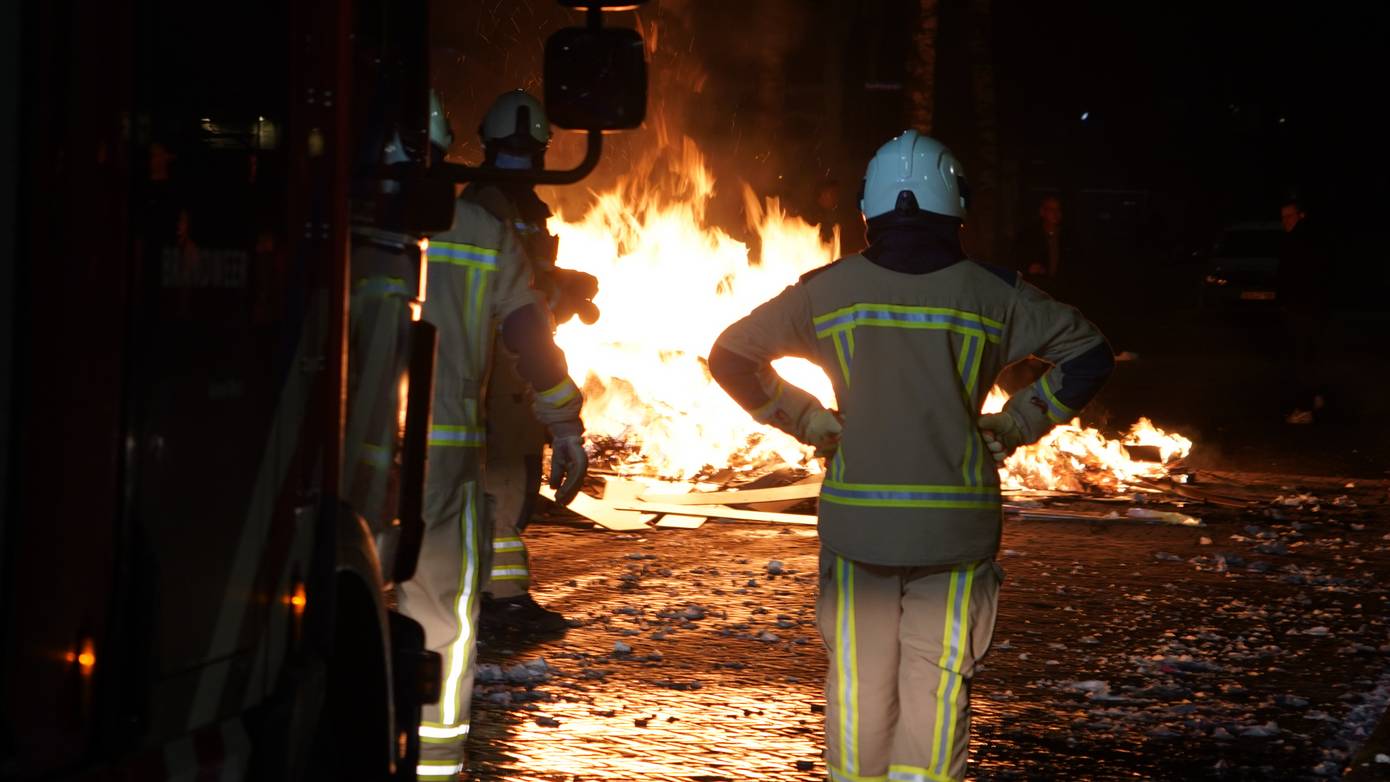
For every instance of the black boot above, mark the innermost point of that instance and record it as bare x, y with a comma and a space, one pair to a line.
521, 614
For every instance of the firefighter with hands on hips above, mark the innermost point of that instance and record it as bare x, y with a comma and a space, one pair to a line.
479, 293
912, 333
515, 135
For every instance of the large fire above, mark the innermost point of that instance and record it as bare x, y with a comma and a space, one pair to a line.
669, 282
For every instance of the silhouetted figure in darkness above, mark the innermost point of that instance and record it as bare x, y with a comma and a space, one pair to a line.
1305, 290
1045, 251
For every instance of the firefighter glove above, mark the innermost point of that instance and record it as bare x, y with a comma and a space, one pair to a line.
572, 294
822, 431
568, 465
1002, 434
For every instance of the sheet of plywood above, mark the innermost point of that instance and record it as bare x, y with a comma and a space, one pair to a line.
681, 521
602, 513
720, 512
796, 491
616, 490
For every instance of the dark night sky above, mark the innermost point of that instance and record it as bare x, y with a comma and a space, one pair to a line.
1185, 99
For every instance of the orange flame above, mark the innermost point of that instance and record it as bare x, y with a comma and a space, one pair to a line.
1072, 457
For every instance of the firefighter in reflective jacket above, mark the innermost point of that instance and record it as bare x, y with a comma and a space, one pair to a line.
385, 268
515, 134
478, 283
911, 333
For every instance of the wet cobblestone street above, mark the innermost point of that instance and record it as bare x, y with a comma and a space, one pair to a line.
1122, 650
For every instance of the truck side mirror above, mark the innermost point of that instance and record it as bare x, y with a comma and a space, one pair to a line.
596, 78
595, 81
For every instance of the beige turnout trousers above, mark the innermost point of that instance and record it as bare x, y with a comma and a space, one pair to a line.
903, 643
512, 475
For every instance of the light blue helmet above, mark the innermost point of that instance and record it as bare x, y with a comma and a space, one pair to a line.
914, 170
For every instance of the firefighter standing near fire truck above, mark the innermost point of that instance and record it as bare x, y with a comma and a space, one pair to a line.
385, 268
515, 134
478, 289
911, 333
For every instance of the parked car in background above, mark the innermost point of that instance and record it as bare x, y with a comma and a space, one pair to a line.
1242, 270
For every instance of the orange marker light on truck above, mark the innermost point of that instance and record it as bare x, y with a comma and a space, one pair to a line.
85, 656
298, 600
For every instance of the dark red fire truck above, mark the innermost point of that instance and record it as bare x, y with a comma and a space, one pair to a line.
185, 595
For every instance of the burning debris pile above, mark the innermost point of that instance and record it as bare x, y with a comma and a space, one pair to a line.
670, 281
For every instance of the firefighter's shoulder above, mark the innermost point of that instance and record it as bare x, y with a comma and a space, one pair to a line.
491, 198
1009, 277
819, 270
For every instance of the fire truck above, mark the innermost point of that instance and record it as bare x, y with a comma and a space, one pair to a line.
186, 595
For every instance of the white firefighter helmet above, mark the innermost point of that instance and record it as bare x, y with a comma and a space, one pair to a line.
918, 165
441, 135
516, 120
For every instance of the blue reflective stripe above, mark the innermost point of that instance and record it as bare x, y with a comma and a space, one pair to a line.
384, 286
902, 316
378, 456
910, 495
462, 254
843, 354
1056, 411
457, 436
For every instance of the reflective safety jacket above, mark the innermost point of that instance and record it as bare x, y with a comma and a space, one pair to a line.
911, 358
478, 280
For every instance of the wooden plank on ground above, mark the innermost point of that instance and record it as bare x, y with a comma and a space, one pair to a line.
1054, 514
681, 521
720, 512
616, 490
1133, 514
796, 491
601, 513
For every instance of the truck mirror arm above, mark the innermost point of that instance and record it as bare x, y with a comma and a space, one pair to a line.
460, 173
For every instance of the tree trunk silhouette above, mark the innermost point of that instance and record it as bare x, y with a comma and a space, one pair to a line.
921, 71
984, 179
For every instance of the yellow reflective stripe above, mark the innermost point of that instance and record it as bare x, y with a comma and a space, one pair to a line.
841, 351
955, 636
972, 386
460, 651
378, 456
504, 572
764, 414
508, 544
459, 254
1057, 412
847, 666
452, 436
438, 733
940, 720
968, 462
967, 359
887, 495
383, 286
901, 773
559, 394
841, 776
972, 381
479, 290
438, 770
907, 317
